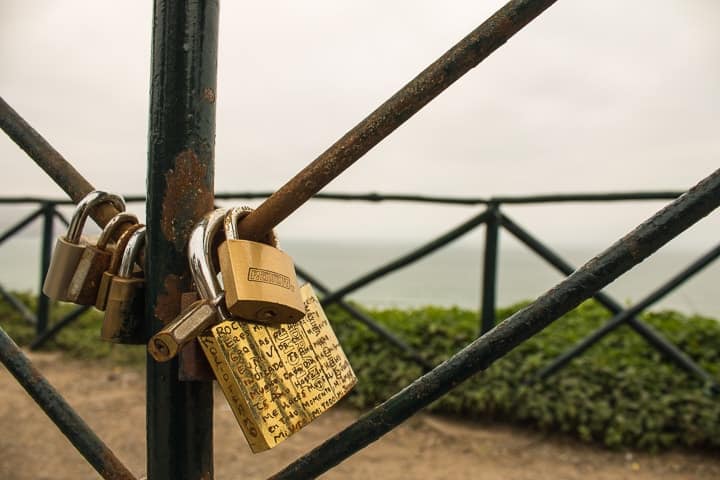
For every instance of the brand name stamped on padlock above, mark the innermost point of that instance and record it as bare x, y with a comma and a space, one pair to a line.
268, 276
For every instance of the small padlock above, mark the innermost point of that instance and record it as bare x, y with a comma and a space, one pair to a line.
259, 279
114, 267
94, 261
69, 249
125, 299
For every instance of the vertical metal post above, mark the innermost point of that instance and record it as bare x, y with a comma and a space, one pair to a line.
489, 280
180, 190
43, 305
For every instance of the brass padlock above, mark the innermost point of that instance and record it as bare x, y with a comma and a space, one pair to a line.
94, 261
112, 270
69, 248
276, 378
259, 279
125, 299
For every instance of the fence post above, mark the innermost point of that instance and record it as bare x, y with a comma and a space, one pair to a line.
489, 279
43, 302
181, 144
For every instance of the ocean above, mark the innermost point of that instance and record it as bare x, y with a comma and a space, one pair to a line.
449, 277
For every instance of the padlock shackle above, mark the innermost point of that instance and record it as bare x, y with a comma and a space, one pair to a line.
234, 216
132, 250
112, 226
89, 201
200, 244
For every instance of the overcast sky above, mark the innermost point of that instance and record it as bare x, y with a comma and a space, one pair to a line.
591, 96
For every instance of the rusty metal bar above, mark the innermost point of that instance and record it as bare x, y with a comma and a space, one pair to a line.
379, 330
432, 81
43, 303
180, 191
489, 273
655, 339
51, 161
67, 420
481, 353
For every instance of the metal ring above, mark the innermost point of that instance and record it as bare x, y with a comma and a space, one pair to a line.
112, 226
132, 249
200, 244
233, 218
92, 199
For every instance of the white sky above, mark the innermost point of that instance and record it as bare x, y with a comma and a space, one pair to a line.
591, 96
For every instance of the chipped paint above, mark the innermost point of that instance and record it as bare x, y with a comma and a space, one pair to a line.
186, 198
167, 306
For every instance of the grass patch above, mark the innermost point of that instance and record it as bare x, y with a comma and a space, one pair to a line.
620, 393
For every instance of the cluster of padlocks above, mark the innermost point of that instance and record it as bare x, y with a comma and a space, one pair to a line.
267, 340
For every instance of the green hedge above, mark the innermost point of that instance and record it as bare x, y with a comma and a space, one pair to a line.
620, 393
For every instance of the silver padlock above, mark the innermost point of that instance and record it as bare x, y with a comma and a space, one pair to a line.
69, 248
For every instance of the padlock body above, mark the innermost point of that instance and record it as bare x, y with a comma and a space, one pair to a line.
123, 322
63, 263
260, 282
103, 290
278, 378
85, 282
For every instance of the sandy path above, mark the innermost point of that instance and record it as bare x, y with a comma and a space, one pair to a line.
426, 447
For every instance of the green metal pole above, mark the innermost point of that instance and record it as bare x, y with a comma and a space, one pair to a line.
180, 190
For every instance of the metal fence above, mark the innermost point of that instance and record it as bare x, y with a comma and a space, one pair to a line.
180, 191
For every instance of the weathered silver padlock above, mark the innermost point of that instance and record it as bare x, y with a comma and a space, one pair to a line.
124, 311
69, 248
259, 279
94, 261
202, 313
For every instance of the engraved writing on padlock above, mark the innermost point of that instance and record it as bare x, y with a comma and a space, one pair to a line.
94, 261
69, 248
259, 279
125, 299
278, 379
275, 378
112, 271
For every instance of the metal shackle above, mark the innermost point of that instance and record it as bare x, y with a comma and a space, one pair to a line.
91, 200
233, 218
132, 250
200, 246
112, 226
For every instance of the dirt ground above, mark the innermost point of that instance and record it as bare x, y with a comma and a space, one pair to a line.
427, 447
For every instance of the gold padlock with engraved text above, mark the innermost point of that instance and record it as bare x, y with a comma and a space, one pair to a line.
276, 378
259, 280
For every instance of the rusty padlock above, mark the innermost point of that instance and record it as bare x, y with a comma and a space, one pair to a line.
125, 299
259, 280
112, 271
94, 261
69, 248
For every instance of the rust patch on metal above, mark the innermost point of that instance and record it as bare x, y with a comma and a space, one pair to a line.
208, 95
167, 306
186, 199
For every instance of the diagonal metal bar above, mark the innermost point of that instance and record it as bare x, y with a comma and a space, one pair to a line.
51, 161
482, 352
62, 218
379, 330
432, 81
57, 327
654, 338
406, 259
636, 309
20, 225
18, 305
67, 420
